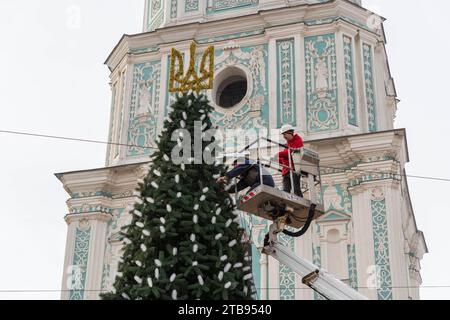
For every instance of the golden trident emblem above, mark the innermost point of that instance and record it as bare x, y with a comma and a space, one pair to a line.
191, 81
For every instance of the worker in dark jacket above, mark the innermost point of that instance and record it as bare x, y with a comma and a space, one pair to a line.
249, 174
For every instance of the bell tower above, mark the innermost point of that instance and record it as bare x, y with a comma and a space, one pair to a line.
163, 13
318, 65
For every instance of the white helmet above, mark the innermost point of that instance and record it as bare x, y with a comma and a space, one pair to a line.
286, 128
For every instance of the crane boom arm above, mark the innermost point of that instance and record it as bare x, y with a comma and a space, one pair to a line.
314, 277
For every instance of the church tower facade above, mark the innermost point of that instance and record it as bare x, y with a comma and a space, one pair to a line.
318, 65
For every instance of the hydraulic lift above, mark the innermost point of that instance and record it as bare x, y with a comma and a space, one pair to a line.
287, 209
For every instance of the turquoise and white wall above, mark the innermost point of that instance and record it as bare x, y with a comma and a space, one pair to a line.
163, 13
322, 68
326, 74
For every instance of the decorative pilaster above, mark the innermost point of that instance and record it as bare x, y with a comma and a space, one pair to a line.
85, 250
363, 241
173, 9
144, 108
286, 82
352, 268
321, 84
191, 5
78, 268
381, 244
287, 276
369, 83
317, 260
352, 107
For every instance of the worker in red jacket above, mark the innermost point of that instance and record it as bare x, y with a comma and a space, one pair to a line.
294, 141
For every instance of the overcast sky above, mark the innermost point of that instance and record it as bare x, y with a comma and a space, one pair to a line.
53, 81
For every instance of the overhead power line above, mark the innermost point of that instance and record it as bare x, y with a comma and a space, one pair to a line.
154, 148
72, 139
269, 288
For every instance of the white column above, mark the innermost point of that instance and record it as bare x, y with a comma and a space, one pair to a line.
273, 85
163, 90
363, 236
360, 85
303, 249
379, 77
300, 94
68, 259
300, 82
264, 263
126, 95
342, 92
99, 230
274, 282
97, 224
398, 264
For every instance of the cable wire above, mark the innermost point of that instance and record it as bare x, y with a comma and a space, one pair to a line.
342, 170
269, 288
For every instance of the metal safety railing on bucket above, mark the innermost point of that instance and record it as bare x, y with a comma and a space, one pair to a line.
305, 163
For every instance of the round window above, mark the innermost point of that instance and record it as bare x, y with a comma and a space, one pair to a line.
231, 87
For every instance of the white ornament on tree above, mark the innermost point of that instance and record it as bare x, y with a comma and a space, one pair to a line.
124, 295
154, 185
200, 280
140, 224
248, 276
232, 243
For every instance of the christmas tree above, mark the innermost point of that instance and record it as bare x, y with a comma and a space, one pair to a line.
184, 241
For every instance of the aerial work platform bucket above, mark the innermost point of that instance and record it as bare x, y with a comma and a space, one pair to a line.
262, 200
